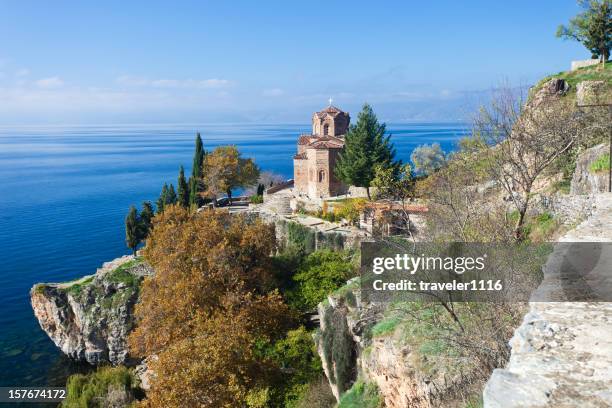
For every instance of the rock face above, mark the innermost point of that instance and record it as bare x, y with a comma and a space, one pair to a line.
348, 351
585, 181
562, 352
89, 319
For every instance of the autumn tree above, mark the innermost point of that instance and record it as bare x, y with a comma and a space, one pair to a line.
208, 309
224, 169
592, 27
366, 146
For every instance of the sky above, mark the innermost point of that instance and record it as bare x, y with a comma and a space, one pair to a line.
143, 62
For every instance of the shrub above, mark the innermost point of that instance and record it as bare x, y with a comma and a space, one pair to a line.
601, 164
108, 386
320, 274
361, 395
256, 199
350, 209
386, 326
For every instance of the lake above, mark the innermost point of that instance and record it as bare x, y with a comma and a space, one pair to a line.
64, 193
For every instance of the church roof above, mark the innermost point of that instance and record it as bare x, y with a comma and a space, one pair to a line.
330, 110
305, 139
327, 143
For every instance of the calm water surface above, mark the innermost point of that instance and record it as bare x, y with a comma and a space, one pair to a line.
64, 193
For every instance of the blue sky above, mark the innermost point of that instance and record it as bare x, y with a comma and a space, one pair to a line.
269, 61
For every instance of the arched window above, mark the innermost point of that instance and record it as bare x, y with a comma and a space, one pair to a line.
321, 175
325, 129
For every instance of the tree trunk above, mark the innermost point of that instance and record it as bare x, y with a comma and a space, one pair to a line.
229, 196
518, 229
368, 191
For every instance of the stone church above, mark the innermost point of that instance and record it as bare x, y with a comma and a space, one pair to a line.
313, 165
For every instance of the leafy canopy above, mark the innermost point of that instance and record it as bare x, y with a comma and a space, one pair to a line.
592, 27
365, 147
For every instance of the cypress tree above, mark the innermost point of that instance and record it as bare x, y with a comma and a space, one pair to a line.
198, 158
163, 198
365, 147
260, 189
171, 196
132, 229
146, 215
194, 198
183, 189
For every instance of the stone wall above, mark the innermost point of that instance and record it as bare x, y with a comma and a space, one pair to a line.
583, 63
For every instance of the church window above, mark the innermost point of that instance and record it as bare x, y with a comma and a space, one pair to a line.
321, 175
325, 129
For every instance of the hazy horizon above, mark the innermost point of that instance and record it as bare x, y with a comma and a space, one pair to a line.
72, 63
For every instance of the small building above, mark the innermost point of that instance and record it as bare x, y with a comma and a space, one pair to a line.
390, 218
317, 153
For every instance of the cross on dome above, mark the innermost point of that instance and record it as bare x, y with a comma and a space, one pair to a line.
330, 101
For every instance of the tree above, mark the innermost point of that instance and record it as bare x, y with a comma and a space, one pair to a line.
209, 310
321, 273
132, 229
224, 169
163, 198
183, 189
398, 186
260, 189
592, 27
146, 216
526, 140
195, 184
171, 197
428, 158
365, 147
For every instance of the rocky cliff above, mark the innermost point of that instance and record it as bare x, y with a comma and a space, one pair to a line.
89, 318
562, 352
358, 344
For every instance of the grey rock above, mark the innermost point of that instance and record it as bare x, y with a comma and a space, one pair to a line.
584, 180
89, 319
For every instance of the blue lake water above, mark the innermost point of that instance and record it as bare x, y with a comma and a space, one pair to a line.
64, 193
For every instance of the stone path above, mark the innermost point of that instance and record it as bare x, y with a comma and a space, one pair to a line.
562, 352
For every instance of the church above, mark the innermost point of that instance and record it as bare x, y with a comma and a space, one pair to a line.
317, 153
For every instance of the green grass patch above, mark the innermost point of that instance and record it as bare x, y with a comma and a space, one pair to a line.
601, 164
591, 73
122, 273
361, 395
77, 288
386, 326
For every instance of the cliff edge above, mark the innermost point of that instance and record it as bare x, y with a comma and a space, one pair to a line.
89, 318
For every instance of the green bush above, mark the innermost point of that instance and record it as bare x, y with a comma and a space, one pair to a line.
321, 273
256, 199
297, 354
108, 386
300, 237
361, 395
601, 164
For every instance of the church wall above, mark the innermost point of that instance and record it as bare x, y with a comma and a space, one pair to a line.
300, 175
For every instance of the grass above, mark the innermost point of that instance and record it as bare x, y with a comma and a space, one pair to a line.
601, 164
361, 395
76, 288
592, 73
386, 326
94, 389
122, 274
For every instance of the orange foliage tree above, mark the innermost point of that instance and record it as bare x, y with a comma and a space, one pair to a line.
208, 309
